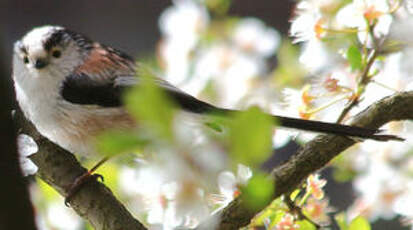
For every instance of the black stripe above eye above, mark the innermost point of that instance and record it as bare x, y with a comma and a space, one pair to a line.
81, 40
54, 39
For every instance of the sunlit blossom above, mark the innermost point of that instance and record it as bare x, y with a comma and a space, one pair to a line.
308, 27
331, 84
311, 20
287, 222
355, 14
315, 186
299, 102
317, 210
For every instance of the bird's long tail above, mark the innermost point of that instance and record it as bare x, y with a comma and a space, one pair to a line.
332, 128
191, 104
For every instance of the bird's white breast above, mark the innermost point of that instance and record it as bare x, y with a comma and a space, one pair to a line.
72, 126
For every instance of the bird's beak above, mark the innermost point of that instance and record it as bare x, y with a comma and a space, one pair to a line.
40, 63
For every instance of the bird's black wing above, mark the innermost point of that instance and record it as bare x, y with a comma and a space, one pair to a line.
87, 90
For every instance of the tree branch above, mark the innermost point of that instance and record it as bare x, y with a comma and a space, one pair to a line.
318, 152
59, 168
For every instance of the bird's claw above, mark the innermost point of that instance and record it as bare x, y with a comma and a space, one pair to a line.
78, 184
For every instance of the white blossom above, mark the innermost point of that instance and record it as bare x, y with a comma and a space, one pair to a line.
26, 148
357, 14
251, 35
229, 184
181, 26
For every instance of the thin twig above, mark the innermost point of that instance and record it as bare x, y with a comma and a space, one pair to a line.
364, 80
299, 212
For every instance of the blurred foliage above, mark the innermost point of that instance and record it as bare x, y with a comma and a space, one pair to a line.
358, 223
343, 168
112, 143
250, 137
340, 219
151, 107
290, 71
259, 192
354, 57
220, 7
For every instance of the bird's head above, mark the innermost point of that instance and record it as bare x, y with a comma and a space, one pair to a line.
47, 49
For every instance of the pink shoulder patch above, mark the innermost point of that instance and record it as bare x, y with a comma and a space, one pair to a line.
101, 61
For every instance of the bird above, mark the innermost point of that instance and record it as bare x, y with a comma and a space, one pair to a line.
70, 87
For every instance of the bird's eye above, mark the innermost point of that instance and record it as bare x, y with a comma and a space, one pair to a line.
25, 59
56, 53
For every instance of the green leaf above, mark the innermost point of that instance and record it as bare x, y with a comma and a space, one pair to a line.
294, 194
250, 137
359, 223
214, 126
341, 221
116, 142
151, 107
259, 192
354, 58
273, 212
88, 226
305, 225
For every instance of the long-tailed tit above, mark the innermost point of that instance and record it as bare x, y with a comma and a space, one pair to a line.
70, 88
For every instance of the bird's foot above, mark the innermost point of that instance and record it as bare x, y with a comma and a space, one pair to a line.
79, 182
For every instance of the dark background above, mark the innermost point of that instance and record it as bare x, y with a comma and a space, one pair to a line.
132, 26
129, 25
